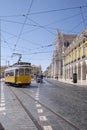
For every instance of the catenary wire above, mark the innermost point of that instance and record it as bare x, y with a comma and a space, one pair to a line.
23, 25
82, 17
47, 11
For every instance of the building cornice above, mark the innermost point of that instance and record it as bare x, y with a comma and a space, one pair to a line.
78, 40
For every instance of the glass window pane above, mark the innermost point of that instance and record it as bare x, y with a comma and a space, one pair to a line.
16, 72
21, 71
26, 71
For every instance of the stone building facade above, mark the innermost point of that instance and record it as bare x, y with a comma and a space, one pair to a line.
61, 43
69, 56
75, 60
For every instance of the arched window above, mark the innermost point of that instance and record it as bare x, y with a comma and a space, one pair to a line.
66, 43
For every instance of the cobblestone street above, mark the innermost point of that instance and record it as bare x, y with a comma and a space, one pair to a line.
52, 104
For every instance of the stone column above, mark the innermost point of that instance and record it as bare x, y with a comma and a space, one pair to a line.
59, 69
86, 69
68, 71
77, 69
63, 69
54, 69
81, 70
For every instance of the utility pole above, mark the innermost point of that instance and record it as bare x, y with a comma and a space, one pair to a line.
0, 41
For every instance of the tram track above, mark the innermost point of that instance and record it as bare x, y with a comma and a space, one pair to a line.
39, 127
45, 106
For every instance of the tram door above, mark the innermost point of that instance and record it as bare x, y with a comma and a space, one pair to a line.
16, 75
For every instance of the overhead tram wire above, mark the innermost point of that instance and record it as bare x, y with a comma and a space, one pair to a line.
45, 26
66, 18
46, 45
35, 25
49, 45
14, 15
56, 10
21, 38
16, 22
82, 17
42, 26
7, 43
23, 25
76, 26
40, 52
47, 11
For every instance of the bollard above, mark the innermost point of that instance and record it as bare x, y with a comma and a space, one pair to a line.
1, 127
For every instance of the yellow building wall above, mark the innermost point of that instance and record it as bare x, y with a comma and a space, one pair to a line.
76, 55
66, 61
70, 56
81, 50
86, 47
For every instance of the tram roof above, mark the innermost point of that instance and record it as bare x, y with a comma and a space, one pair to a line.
17, 67
21, 63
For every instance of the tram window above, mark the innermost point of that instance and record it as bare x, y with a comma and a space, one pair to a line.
6, 74
12, 73
30, 71
16, 73
21, 71
26, 71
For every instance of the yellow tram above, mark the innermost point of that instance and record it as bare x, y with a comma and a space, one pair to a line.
18, 74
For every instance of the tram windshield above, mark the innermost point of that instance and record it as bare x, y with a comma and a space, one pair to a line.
21, 71
27, 71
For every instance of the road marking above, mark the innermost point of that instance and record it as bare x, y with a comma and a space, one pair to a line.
2, 108
47, 127
2, 97
37, 98
38, 105
4, 113
43, 118
2, 102
40, 110
37, 94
